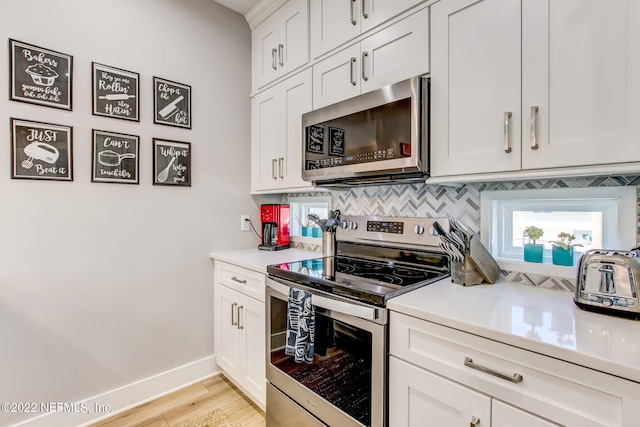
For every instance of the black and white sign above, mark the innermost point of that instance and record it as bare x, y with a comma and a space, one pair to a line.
171, 103
40, 76
115, 92
41, 150
336, 141
171, 162
315, 139
115, 157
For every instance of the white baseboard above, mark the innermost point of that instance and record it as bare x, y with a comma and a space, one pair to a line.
91, 410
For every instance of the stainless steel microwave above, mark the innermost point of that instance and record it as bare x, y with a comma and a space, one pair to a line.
379, 137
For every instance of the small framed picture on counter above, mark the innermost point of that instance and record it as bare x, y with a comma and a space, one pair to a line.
41, 150
116, 92
171, 162
171, 103
115, 157
40, 76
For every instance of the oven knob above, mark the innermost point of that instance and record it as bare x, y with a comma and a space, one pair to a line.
353, 225
418, 229
433, 231
344, 224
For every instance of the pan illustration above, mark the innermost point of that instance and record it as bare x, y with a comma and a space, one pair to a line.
111, 158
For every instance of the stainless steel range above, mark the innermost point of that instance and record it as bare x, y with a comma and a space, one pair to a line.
377, 258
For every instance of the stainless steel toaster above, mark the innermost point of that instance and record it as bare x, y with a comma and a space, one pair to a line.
608, 282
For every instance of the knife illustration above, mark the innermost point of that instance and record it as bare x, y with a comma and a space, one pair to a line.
170, 108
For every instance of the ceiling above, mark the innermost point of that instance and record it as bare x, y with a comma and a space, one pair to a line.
240, 6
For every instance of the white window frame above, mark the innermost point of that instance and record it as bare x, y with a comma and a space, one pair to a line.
298, 205
618, 205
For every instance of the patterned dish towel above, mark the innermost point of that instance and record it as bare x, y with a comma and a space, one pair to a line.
300, 326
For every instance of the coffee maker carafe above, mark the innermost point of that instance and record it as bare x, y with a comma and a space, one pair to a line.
275, 227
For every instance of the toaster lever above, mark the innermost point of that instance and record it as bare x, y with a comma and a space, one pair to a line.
607, 284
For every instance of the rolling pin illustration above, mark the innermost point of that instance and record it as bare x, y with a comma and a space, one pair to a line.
116, 97
167, 111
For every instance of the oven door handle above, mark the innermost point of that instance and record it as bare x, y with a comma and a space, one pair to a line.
349, 308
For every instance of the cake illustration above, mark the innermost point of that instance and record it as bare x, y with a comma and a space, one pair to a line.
41, 74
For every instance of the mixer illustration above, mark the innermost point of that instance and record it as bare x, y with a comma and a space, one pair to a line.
40, 151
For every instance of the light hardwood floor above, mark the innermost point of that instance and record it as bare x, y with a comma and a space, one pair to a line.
190, 402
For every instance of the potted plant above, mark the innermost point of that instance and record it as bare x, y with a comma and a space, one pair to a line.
533, 251
562, 251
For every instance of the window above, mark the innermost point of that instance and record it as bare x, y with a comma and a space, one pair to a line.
598, 218
303, 206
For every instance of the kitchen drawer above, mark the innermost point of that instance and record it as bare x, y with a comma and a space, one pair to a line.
559, 391
245, 281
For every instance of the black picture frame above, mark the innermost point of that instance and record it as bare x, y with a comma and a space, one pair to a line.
337, 138
115, 92
41, 150
171, 103
315, 139
40, 76
171, 162
115, 157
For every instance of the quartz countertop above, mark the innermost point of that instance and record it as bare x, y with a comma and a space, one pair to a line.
541, 320
258, 260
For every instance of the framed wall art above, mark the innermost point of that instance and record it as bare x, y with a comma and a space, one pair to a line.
171, 163
171, 103
41, 150
116, 92
116, 157
40, 76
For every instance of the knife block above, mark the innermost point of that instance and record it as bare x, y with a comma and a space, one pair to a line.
478, 267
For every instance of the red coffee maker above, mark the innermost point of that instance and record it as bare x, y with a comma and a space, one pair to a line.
275, 227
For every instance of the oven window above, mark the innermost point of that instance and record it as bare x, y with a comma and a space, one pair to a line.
341, 368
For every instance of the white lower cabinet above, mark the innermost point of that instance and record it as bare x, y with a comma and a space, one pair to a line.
240, 329
439, 376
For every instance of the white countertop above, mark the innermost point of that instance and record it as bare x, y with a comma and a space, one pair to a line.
257, 260
540, 320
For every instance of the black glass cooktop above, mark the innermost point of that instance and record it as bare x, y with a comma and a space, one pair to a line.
369, 281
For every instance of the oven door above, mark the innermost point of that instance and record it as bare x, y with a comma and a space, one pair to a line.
345, 384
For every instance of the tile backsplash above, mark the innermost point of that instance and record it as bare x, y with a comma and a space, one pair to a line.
462, 202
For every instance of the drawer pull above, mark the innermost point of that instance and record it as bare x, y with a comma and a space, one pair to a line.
515, 378
475, 421
235, 279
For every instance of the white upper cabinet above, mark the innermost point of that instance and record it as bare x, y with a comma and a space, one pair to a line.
280, 44
276, 134
534, 85
336, 22
376, 61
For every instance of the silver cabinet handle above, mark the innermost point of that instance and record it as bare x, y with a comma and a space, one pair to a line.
233, 308
280, 55
475, 421
534, 116
364, 76
280, 166
515, 378
235, 279
273, 168
353, 21
507, 120
240, 326
273, 58
365, 15
351, 65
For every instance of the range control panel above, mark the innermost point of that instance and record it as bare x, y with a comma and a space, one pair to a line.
396, 227
390, 230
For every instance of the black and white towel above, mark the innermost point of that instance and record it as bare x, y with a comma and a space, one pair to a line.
300, 326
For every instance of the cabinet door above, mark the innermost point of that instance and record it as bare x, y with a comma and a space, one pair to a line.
384, 54
581, 62
226, 329
295, 98
419, 398
264, 52
251, 325
293, 47
333, 23
475, 80
265, 140
504, 415
375, 12
337, 77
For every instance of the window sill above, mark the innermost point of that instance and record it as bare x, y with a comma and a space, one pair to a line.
537, 268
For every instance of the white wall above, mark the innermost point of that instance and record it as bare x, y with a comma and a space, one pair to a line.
102, 285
